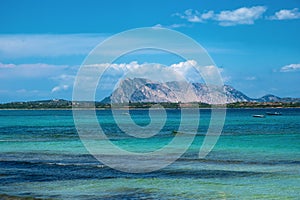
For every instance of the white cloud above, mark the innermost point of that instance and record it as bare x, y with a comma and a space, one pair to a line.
7, 66
170, 26
195, 16
64, 77
152, 71
60, 88
286, 14
61, 75
190, 15
244, 15
183, 71
207, 15
190, 67
36, 70
290, 68
49, 45
65, 82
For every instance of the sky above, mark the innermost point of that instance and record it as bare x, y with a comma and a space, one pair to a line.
255, 44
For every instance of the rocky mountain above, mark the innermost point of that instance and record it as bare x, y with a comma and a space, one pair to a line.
144, 90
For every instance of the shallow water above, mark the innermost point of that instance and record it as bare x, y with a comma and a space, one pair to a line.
42, 156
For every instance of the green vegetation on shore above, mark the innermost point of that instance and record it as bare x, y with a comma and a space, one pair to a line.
264, 105
64, 104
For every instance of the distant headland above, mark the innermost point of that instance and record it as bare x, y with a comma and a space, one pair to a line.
144, 93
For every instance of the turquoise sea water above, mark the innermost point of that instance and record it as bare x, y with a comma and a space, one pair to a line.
42, 156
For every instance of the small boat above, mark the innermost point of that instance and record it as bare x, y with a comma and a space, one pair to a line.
273, 113
259, 116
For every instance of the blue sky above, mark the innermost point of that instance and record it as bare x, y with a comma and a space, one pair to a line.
256, 44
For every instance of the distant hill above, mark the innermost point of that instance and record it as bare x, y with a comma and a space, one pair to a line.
50, 104
139, 90
273, 98
42, 104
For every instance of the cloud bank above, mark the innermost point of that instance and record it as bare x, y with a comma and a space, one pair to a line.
57, 77
290, 68
35, 70
243, 15
286, 14
182, 71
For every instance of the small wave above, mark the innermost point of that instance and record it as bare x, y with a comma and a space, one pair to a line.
255, 162
75, 164
92, 165
11, 140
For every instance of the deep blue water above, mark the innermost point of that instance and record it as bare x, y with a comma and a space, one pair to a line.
41, 155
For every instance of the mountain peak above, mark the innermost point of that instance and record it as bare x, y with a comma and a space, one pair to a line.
137, 90
145, 90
